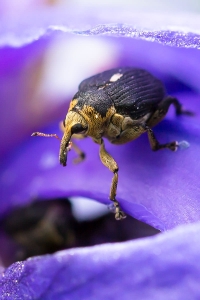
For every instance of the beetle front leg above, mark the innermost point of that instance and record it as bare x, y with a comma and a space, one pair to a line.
81, 154
155, 145
111, 164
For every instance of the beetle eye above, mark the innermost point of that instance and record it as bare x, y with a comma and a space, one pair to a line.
78, 128
64, 122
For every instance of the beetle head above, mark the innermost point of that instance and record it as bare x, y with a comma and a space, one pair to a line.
74, 124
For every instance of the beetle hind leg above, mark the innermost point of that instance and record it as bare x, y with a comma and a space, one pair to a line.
162, 110
155, 145
111, 164
157, 116
178, 106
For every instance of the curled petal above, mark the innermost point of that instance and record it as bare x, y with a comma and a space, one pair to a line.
174, 29
164, 266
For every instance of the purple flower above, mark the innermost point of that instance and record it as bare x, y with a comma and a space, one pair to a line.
161, 189
162, 267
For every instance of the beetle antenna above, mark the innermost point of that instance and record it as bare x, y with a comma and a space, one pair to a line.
45, 135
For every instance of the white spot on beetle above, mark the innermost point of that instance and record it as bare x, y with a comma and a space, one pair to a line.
115, 77
96, 116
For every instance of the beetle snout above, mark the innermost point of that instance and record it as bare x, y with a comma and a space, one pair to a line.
74, 124
64, 148
63, 156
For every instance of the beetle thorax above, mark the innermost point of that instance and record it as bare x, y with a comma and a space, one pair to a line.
96, 123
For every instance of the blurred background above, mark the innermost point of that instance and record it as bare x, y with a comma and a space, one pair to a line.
12, 7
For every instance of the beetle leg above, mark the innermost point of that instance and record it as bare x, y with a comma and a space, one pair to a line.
81, 154
162, 110
111, 164
155, 145
178, 106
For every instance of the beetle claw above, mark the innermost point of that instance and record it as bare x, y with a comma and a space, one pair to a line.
175, 146
119, 215
115, 208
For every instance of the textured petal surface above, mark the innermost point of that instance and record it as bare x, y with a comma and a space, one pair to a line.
160, 188
174, 29
162, 267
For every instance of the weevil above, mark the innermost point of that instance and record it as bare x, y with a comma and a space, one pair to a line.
119, 105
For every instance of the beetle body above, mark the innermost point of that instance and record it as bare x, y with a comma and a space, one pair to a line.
118, 104
115, 101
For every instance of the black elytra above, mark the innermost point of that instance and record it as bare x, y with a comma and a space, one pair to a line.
134, 94
120, 105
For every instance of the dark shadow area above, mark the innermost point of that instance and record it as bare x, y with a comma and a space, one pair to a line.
44, 227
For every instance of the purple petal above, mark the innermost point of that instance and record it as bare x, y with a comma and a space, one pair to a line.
162, 267
174, 29
17, 87
160, 188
